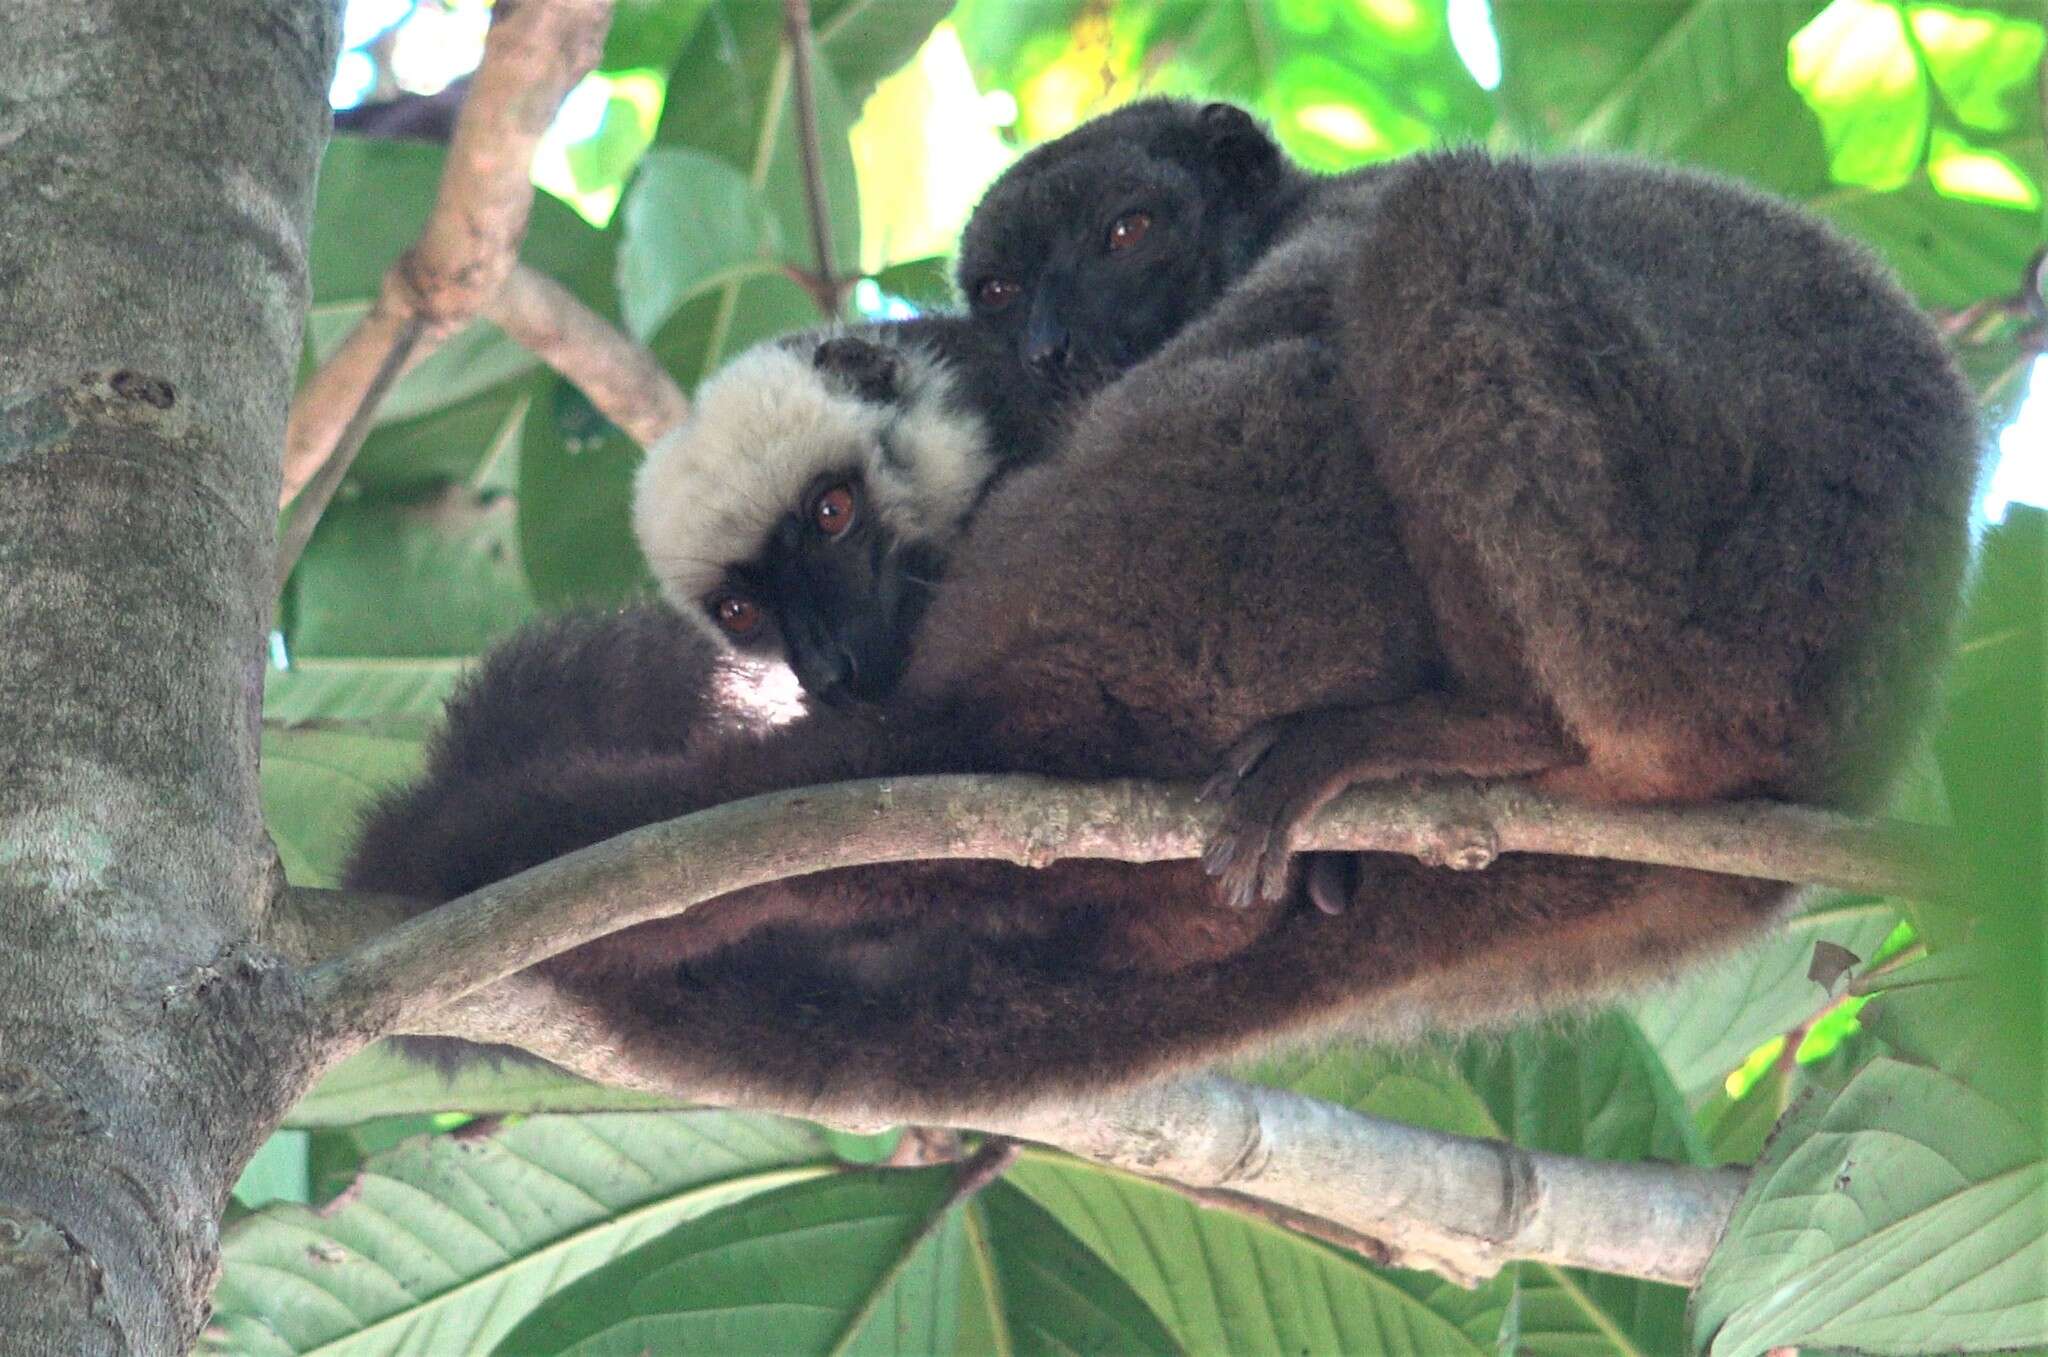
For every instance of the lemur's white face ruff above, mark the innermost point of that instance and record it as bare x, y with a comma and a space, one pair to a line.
762, 431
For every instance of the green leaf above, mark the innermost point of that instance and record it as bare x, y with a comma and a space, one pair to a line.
866, 1261
1224, 1282
379, 1083
436, 577
316, 689
1721, 64
1597, 1089
691, 222
576, 540
442, 1244
316, 781
1561, 59
1735, 1129
864, 41
1949, 252
924, 283
649, 33
278, 1172
404, 459
738, 106
1905, 1214
1706, 1025
1051, 1293
338, 1155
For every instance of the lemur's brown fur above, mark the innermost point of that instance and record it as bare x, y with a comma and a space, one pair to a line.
1616, 477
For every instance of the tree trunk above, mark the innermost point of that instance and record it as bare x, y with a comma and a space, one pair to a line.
156, 185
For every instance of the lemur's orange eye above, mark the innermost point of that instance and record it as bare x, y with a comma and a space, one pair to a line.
833, 510
739, 617
1129, 229
995, 293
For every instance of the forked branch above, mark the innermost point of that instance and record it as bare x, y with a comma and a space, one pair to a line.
535, 54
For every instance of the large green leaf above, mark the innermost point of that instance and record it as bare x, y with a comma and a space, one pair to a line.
1705, 1026
379, 1082
403, 459
1561, 59
1950, 253
315, 689
1705, 73
442, 1244
648, 34
576, 540
436, 577
691, 222
871, 1261
315, 781
1223, 1282
1906, 1214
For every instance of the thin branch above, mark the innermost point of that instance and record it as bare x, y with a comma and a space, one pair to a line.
622, 379
319, 492
1456, 1205
535, 53
823, 286
392, 981
1286, 1218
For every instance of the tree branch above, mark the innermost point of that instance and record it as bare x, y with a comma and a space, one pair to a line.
823, 286
1401, 1195
535, 53
318, 492
392, 981
621, 378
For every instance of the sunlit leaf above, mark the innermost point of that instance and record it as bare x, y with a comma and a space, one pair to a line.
1855, 67
1708, 1023
1986, 65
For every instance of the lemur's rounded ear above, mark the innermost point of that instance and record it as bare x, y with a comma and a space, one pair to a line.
1240, 146
871, 371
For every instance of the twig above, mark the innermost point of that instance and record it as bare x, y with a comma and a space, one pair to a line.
394, 980
1299, 1222
535, 53
823, 286
621, 378
318, 492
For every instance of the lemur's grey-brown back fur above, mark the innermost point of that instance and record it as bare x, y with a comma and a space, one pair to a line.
1463, 476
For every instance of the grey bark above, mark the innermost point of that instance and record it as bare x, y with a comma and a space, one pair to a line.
157, 160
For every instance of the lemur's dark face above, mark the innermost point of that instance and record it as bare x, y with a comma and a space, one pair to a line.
832, 592
1094, 249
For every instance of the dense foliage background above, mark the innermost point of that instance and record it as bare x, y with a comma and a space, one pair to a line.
1899, 1208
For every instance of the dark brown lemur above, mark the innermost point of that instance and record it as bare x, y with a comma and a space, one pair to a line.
1778, 514
1636, 425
